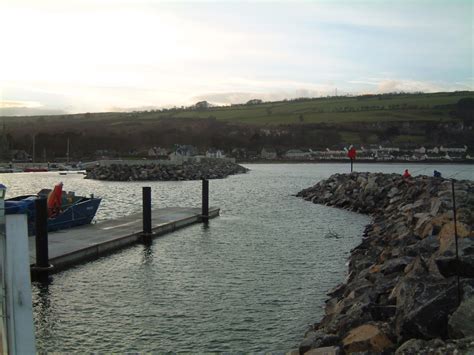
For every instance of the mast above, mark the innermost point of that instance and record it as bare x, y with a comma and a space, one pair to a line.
67, 151
34, 147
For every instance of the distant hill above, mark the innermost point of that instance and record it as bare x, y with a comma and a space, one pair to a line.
398, 119
365, 108
336, 109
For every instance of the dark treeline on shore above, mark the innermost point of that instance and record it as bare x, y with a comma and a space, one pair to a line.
400, 120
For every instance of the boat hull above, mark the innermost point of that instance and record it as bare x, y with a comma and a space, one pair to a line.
77, 214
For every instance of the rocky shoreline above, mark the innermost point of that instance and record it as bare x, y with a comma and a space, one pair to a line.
190, 170
401, 293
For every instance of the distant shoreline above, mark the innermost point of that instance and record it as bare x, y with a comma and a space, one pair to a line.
335, 161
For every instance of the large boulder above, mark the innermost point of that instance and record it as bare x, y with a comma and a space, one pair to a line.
419, 346
423, 307
367, 338
461, 322
317, 339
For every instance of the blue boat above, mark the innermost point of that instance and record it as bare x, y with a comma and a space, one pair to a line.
73, 210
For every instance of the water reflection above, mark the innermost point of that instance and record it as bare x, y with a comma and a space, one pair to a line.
251, 280
45, 313
147, 254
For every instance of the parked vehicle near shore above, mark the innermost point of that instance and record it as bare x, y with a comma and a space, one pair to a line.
35, 170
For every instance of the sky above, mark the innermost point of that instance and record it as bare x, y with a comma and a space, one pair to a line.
122, 55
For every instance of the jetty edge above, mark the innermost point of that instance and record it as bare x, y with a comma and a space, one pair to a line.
401, 293
165, 171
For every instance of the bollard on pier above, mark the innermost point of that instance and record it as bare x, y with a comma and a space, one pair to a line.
42, 265
146, 194
205, 200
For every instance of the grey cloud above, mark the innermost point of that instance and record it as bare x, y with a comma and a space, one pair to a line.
29, 111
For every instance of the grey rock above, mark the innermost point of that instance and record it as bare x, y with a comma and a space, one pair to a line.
435, 205
450, 266
423, 306
400, 274
418, 346
316, 339
396, 265
461, 322
328, 350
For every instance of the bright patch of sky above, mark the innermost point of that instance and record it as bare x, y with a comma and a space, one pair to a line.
103, 55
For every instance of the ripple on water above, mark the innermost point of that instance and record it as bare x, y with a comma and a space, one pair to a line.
250, 282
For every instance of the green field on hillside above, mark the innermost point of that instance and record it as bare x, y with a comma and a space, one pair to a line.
380, 108
367, 108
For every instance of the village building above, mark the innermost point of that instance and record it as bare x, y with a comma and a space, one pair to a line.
158, 152
453, 149
268, 153
215, 153
329, 154
182, 153
388, 149
20, 156
297, 154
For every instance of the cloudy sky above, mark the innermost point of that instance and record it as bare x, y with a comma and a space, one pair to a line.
108, 55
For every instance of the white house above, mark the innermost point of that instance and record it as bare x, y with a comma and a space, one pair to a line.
157, 151
434, 150
453, 150
297, 154
388, 149
183, 153
215, 153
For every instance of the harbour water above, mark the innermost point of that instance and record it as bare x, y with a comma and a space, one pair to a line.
250, 281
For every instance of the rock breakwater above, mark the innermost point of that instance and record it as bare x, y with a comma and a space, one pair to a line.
401, 293
204, 169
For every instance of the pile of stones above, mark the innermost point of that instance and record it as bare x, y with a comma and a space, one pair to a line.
402, 293
205, 169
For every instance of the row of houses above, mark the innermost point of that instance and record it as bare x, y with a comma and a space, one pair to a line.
373, 152
370, 153
183, 151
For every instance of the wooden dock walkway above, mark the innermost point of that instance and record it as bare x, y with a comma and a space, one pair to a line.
73, 246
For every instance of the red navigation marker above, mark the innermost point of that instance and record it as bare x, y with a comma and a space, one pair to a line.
352, 153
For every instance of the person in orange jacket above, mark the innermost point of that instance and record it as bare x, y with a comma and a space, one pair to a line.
406, 174
54, 200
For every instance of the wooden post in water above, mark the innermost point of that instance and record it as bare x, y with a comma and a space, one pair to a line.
146, 194
205, 200
41, 230
456, 240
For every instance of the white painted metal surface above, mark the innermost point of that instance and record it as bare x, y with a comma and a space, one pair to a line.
3, 300
21, 337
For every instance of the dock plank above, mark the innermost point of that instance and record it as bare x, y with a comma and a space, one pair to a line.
72, 246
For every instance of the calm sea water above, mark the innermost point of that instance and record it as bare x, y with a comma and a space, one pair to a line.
251, 281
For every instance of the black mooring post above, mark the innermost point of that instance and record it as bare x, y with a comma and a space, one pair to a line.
205, 200
147, 211
456, 240
41, 231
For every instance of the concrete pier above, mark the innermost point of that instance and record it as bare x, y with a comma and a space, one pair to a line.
73, 246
